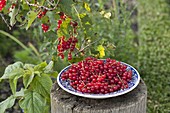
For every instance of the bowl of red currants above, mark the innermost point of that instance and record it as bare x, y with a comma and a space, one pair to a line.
98, 78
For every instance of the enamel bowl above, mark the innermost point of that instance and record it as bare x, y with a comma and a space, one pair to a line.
65, 85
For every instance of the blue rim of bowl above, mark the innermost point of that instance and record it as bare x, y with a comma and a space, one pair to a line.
135, 77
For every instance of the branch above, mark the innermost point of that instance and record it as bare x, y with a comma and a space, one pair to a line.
78, 16
39, 6
51, 2
88, 46
9, 26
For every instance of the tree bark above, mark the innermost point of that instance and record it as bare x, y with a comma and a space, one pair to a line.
132, 102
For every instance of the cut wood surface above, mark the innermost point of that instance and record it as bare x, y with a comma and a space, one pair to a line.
132, 102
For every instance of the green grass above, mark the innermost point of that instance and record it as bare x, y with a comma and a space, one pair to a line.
154, 52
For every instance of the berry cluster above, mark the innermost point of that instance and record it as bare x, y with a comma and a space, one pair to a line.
60, 21
66, 45
45, 27
42, 13
2, 4
98, 76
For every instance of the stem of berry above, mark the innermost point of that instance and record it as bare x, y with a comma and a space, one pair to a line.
82, 49
121, 80
36, 5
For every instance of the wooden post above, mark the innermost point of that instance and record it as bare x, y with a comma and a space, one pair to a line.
132, 102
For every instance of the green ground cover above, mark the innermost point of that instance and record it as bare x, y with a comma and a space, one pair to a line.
154, 36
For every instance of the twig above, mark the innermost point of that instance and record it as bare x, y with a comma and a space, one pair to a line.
50, 2
78, 16
36, 5
121, 81
9, 26
88, 45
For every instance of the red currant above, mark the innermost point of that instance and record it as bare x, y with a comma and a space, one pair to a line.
45, 27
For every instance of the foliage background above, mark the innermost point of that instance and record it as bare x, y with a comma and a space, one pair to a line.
154, 20
150, 56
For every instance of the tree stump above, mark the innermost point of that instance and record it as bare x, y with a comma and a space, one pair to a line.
132, 102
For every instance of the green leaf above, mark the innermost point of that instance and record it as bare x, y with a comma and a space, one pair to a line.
13, 15
86, 6
8, 103
32, 102
52, 18
42, 85
50, 34
64, 28
54, 74
86, 22
49, 67
13, 70
60, 64
13, 84
27, 78
31, 17
25, 6
25, 56
40, 66
66, 6
29, 67
45, 19
19, 93
18, 18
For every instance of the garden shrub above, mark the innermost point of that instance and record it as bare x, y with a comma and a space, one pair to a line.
93, 32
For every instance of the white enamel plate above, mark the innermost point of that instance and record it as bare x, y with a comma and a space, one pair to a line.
65, 85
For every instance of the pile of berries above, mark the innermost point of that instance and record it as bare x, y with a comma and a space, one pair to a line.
98, 76
2, 4
66, 45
